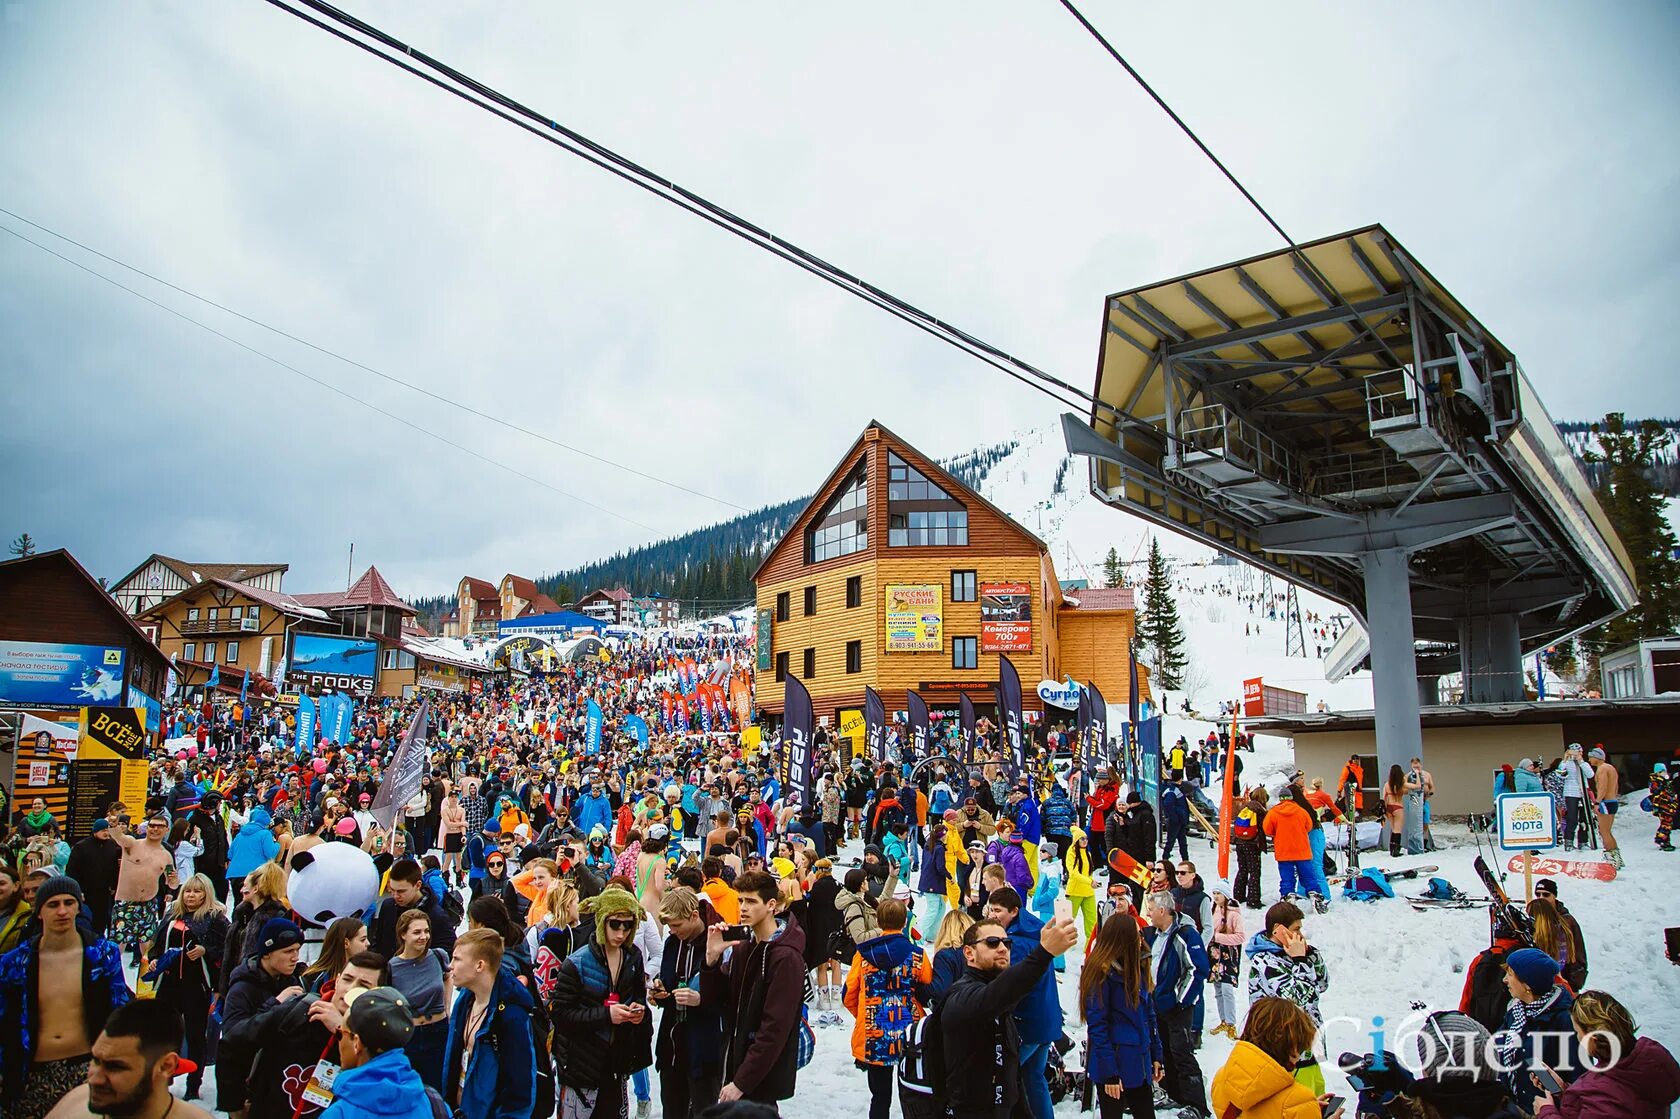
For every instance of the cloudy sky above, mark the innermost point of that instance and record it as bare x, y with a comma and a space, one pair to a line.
982, 159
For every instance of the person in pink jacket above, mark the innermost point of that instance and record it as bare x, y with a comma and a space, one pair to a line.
1224, 948
1631, 1076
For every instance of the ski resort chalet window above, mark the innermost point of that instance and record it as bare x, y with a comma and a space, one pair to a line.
854, 656
965, 652
854, 592
843, 527
781, 667
782, 607
919, 512
962, 587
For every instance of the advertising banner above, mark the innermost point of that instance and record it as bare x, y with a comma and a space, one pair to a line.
73, 675
592, 729
1006, 618
762, 638
110, 766
797, 720
406, 772
852, 730
346, 664
1100, 747
308, 723
638, 727
918, 715
914, 616
1254, 698
1009, 708
40, 745
875, 724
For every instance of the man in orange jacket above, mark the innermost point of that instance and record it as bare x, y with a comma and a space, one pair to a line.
1288, 825
883, 993
1349, 784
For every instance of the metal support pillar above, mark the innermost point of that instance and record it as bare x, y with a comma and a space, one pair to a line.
1394, 678
1490, 657
1429, 692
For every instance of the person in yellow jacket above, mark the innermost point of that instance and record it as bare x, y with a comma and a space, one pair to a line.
1076, 874
1258, 1081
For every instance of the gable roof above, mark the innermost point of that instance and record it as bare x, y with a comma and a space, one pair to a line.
1099, 598
63, 556
370, 590
848, 462
198, 572
479, 589
275, 600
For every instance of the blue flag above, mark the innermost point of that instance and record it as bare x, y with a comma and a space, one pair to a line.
637, 726
215, 675
307, 718
592, 744
246, 682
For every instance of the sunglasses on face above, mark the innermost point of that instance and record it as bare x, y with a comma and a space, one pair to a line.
621, 924
992, 942
1185, 873
494, 862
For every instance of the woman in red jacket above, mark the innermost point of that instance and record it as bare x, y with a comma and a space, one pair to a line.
1101, 802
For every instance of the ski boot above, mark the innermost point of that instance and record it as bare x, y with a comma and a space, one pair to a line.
1615, 858
1321, 904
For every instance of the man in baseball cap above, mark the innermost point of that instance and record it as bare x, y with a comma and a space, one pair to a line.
376, 1080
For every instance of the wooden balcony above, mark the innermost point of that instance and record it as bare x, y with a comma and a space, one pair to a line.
210, 626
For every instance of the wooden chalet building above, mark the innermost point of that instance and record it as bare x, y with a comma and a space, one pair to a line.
161, 577
230, 629
898, 576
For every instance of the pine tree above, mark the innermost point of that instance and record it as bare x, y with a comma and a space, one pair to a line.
1627, 458
1113, 574
23, 546
1159, 631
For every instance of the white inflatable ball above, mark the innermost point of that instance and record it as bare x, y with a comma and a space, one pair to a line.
332, 880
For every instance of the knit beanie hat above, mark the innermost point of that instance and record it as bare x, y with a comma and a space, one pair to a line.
278, 933
52, 887
1536, 969
614, 901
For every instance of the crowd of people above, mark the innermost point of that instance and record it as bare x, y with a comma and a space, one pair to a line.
564, 930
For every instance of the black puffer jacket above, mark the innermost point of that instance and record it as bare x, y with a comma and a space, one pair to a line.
981, 1045
589, 1051
245, 929
252, 999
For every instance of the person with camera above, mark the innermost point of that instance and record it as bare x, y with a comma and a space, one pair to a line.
976, 1018
603, 1030
1457, 1075
763, 963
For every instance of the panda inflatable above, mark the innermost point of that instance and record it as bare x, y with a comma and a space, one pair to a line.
332, 880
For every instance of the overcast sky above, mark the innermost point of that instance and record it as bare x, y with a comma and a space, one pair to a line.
984, 160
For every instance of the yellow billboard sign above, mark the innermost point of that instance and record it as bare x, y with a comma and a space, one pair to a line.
851, 732
914, 617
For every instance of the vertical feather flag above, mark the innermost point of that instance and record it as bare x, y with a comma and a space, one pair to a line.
918, 715
1009, 711
967, 723
797, 718
875, 724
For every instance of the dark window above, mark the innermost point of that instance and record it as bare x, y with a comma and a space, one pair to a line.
810, 666
919, 512
962, 586
781, 667
854, 656
854, 591
782, 607
965, 652
843, 527
810, 601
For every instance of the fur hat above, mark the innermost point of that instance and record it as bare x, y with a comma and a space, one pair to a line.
614, 901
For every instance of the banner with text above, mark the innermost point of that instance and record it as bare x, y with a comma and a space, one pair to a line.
914, 617
1006, 618
347, 664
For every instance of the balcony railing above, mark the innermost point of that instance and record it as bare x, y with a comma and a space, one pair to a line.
222, 625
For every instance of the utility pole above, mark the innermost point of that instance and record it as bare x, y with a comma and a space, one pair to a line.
1294, 640
350, 565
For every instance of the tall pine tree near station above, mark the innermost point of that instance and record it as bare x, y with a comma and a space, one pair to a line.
1633, 502
1160, 632
1114, 575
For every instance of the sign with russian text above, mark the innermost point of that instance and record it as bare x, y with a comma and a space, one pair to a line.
35, 672
110, 766
1006, 618
1525, 821
1063, 695
1254, 698
766, 629
914, 617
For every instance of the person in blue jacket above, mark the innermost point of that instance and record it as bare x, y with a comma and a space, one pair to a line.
498, 1080
1058, 818
375, 1079
1181, 967
593, 807
1038, 1017
1175, 820
252, 847
1124, 1058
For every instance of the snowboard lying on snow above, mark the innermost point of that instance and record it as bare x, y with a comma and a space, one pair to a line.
1547, 867
1391, 875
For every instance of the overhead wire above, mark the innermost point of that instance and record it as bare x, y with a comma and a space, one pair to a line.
330, 387
406, 57
422, 390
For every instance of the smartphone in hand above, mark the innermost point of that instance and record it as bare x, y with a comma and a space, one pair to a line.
1332, 1104
1548, 1081
737, 932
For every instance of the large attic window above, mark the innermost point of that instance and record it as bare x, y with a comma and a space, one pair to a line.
843, 527
919, 512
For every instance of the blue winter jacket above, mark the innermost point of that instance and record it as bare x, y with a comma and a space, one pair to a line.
587, 811
103, 990
1184, 967
892, 847
1038, 1017
501, 1078
1528, 782
387, 1087
949, 964
1124, 1040
1057, 814
1175, 810
1027, 821
940, 801
253, 846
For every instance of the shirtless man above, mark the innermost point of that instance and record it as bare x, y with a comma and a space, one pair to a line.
54, 1019
1607, 788
133, 1061
134, 916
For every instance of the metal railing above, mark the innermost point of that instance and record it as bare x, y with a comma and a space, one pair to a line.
1393, 398
1214, 429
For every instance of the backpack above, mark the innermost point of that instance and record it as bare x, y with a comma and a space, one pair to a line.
1488, 994
1442, 890
841, 946
453, 907
807, 1040
921, 1061
1368, 885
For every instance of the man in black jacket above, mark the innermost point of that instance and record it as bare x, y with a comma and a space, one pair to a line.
409, 892
294, 1037
94, 863
212, 861
689, 1052
261, 984
765, 989
982, 1050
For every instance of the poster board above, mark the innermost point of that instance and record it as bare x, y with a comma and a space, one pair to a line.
110, 766
915, 617
37, 749
851, 733
1006, 618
